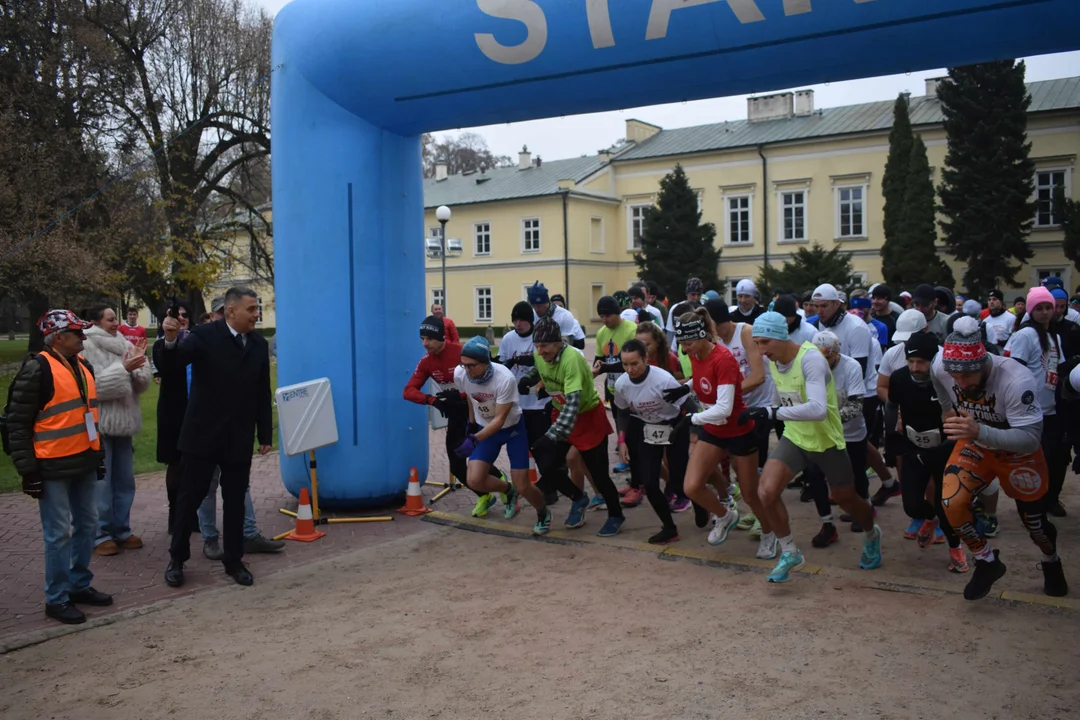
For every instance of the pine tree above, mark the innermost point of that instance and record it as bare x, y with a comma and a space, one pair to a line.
912, 258
809, 267
1067, 212
894, 182
988, 179
675, 244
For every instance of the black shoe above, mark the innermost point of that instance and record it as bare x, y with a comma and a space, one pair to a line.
701, 516
240, 574
665, 536
90, 596
65, 613
987, 572
847, 517
174, 574
826, 537
796, 483
1054, 583
211, 550
885, 492
1056, 509
807, 495
856, 527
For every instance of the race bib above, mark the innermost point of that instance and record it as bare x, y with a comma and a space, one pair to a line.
1051, 380
924, 440
486, 411
559, 398
657, 434
791, 399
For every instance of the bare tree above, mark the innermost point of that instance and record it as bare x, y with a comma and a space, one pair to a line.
468, 152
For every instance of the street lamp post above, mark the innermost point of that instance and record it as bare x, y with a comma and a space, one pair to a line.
442, 214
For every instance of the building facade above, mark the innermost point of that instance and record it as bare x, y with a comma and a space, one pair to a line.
784, 177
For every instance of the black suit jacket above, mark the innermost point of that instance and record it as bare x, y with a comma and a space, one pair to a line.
230, 392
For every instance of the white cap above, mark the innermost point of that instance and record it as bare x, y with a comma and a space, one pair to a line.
825, 292
745, 287
909, 323
905, 294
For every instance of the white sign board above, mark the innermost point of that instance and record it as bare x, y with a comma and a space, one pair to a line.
306, 416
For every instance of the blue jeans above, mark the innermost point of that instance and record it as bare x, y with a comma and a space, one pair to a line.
68, 522
116, 492
208, 513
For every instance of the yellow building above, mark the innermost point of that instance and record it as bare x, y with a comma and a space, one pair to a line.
783, 177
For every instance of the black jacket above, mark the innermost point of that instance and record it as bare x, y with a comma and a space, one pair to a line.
230, 391
171, 405
31, 390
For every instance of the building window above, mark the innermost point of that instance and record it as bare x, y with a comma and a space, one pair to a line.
596, 235
226, 263
530, 241
1046, 184
850, 212
437, 297
152, 321
435, 232
793, 216
738, 220
1041, 275
483, 305
731, 294
259, 319
860, 279
482, 239
636, 215
598, 291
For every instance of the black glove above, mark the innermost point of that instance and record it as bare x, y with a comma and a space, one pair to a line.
33, 486
451, 395
542, 394
673, 395
524, 386
509, 363
681, 422
749, 414
446, 407
525, 360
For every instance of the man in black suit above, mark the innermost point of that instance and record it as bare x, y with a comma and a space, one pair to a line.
229, 401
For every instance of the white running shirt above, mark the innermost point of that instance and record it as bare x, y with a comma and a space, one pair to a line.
645, 399
501, 389
515, 346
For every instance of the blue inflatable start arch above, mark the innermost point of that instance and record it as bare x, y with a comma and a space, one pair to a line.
357, 81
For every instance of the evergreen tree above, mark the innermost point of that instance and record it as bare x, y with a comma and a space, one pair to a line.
988, 179
894, 182
910, 256
1067, 212
675, 244
809, 267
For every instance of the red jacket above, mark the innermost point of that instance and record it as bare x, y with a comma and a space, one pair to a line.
438, 367
451, 330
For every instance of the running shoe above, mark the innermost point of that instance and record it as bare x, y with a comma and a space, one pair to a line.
784, 566
826, 536
736, 492
925, 537
611, 527
871, 550
665, 536
513, 503
621, 468
746, 521
576, 518
633, 498
1057, 509
679, 504
885, 492
870, 473
1054, 583
701, 515
543, 527
806, 494
913, 528
988, 526
987, 572
766, 549
721, 527
796, 482
597, 503
623, 491
957, 560
939, 536
483, 504
756, 530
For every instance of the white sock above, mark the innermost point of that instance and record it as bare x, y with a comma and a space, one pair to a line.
768, 537
787, 544
889, 482
986, 554
1050, 558
827, 518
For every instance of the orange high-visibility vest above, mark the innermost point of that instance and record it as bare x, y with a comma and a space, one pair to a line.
60, 428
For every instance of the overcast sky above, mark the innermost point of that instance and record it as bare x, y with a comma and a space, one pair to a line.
577, 135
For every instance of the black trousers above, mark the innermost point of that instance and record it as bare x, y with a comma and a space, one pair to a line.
174, 479
198, 474
1056, 451
553, 465
538, 422
635, 475
916, 471
647, 460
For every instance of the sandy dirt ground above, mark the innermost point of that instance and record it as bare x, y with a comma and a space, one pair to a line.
455, 624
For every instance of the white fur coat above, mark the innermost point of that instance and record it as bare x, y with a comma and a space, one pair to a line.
117, 390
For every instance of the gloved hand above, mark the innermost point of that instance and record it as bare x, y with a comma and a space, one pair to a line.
749, 414
524, 386
542, 393
450, 395
466, 448
682, 421
509, 363
526, 360
544, 450
673, 395
33, 486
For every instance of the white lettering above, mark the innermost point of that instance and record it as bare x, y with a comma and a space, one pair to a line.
746, 11
528, 13
599, 24
797, 7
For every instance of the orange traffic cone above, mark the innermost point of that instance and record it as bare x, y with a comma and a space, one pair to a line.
533, 477
414, 501
305, 526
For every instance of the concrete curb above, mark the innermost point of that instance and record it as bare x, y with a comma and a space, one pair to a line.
712, 559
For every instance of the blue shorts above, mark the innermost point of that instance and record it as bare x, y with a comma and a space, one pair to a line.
516, 441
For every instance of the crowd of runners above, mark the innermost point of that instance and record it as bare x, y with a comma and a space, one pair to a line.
946, 401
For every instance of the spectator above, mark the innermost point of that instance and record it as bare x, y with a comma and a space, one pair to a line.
131, 329
451, 328
172, 404
122, 375
52, 424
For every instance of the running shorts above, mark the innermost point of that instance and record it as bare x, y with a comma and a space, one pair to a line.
516, 441
1023, 477
834, 462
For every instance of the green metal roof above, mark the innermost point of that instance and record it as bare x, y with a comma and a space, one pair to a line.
508, 183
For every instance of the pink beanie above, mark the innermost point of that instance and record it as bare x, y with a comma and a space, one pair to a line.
1038, 295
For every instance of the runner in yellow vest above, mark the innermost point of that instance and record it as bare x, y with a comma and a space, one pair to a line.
804, 398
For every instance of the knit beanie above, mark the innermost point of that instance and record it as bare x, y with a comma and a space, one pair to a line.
478, 349
771, 325
547, 331
964, 351
718, 311
522, 311
607, 305
433, 328
1038, 295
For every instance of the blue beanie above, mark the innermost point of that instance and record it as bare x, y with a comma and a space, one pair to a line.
1059, 294
712, 295
771, 325
478, 349
538, 294
860, 303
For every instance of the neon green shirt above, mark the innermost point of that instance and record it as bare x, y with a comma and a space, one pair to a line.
570, 372
816, 436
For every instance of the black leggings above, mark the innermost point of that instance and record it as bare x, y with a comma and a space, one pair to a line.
635, 474
918, 468
819, 487
647, 459
456, 429
1056, 451
553, 465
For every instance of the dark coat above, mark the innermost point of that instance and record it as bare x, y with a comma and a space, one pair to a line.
230, 392
171, 406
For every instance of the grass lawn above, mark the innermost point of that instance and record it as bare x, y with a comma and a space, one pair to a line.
145, 441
